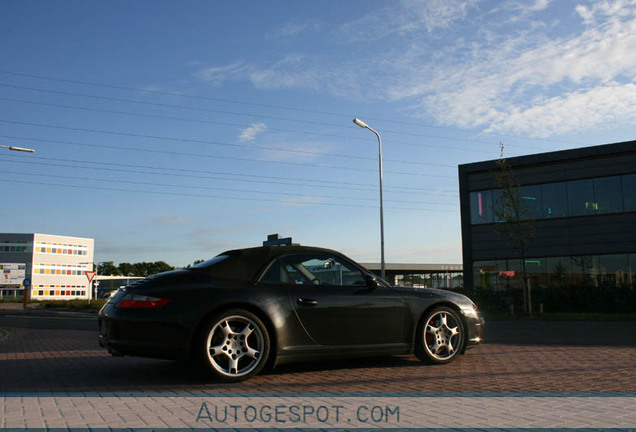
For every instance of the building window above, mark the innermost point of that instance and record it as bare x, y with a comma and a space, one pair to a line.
631, 270
481, 207
604, 195
554, 200
531, 201
12, 246
559, 271
608, 194
629, 192
591, 271
585, 270
581, 198
614, 271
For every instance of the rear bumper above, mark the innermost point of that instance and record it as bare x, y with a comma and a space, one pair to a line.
141, 349
126, 335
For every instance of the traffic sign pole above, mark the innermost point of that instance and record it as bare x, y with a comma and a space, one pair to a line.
26, 283
90, 275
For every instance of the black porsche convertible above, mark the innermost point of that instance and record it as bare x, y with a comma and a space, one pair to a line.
248, 308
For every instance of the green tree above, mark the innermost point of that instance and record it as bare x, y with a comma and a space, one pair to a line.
107, 269
144, 269
127, 269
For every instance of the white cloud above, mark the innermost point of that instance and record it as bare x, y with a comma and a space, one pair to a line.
467, 65
295, 28
540, 5
166, 219
293, 70
303, 201
406, 17
250, 133
219, 74
282, 150
604, 9
602, 107
504, 88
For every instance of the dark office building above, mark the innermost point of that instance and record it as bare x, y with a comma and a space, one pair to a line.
582, 208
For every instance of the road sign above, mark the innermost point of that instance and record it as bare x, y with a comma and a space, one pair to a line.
90, 275
26, 282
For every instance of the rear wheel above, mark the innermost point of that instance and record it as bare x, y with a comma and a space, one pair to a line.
440, 336
235, 345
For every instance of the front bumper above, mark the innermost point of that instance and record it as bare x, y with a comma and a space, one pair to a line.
476, 329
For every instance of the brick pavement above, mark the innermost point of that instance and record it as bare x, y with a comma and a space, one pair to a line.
60, 378
70, 360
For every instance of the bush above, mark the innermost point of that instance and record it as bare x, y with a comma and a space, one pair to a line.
95, 304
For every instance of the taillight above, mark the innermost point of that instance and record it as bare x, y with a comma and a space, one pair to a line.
136, 301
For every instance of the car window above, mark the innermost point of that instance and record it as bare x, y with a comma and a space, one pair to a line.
313, 269
209, 263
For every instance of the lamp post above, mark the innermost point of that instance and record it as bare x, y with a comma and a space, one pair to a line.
363, 125
27, 286
20, 149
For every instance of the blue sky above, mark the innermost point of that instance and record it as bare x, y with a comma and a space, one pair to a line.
175, 130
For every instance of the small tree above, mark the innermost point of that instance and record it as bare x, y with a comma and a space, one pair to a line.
515, 223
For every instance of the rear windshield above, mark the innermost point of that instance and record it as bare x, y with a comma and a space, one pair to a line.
209, 263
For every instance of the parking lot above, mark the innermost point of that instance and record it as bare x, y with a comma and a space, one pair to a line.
529, 374
42, 354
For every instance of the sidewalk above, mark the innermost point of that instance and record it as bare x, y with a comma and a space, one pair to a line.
36, 309
567, 333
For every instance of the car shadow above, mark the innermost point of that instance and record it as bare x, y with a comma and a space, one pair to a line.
354, 363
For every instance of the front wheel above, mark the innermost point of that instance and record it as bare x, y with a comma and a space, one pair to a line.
235, 345
440, 336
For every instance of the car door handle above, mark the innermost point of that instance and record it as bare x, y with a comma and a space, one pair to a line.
307, 302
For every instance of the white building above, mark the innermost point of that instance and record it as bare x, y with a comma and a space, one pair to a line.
55, 267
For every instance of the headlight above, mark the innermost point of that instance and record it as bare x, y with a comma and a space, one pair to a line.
471, 313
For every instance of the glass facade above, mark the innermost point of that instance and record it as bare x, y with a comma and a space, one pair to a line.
532, 201
554, 200
576, 283
603, 195
13, 246
629, 192
444, 280
481, 207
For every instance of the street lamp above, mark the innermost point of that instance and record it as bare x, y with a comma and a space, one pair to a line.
25, 296
363, 125
20, 149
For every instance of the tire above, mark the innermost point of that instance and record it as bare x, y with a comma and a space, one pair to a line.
440, 336
234, 346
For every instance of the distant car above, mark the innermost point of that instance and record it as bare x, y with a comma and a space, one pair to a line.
271, 305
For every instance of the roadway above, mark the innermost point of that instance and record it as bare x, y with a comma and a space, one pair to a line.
58, 351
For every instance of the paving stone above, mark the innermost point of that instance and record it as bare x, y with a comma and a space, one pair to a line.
39, 366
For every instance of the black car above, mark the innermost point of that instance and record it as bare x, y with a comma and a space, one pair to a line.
270, 305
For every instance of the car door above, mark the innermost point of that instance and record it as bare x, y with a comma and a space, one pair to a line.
337, 304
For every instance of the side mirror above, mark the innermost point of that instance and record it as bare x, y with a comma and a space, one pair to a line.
374, 282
